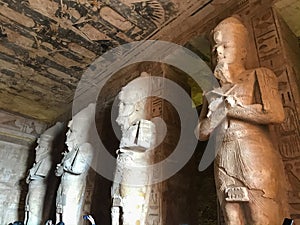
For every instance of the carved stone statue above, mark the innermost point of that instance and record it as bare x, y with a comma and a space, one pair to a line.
74, 167
37, 178
249, 172
138, 136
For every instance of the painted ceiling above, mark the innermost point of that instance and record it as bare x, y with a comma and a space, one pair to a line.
46, 45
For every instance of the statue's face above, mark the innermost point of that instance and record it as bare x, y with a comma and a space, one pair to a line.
70, 135
227, 47
126, 111
42, 145
129, 111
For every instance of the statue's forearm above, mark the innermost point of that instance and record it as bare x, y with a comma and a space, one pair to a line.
73, 171
255, 114
204, 129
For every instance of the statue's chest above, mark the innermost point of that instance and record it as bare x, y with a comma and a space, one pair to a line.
245, 89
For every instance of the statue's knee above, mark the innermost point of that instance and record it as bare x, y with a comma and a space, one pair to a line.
233, 214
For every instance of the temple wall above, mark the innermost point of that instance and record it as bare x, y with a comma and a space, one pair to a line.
273, 46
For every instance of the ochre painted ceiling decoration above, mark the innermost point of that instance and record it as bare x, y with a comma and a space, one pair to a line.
46, 45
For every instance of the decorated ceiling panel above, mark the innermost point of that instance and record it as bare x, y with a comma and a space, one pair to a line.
46, 45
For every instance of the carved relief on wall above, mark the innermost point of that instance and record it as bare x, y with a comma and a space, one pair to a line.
155, 209
271, 54
292, 169
21, 124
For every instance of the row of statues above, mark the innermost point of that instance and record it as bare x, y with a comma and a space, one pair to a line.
72, 169
249, 173
138, 136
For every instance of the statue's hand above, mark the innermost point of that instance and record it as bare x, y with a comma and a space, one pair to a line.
204, 129
231, 102
59, 170
215, 104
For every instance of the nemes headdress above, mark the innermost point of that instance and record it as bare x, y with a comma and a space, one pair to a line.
233, 27
82, 122
51, 133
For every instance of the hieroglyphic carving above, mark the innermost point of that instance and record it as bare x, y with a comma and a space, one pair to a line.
55, 41
154, 210
270, 53
154, 215
21, 124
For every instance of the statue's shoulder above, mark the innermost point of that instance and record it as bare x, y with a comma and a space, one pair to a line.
85, 146
265, 73
85, 149
265, 77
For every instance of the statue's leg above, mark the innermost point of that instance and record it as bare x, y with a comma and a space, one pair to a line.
72, 202
34, 204
26, 211
58, 217
26, 218
59, 205
233, 213
264, 210
232, 210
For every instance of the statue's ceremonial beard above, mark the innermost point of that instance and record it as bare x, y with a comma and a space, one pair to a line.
221, 72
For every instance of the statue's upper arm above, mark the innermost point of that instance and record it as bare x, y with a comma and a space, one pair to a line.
268, 86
